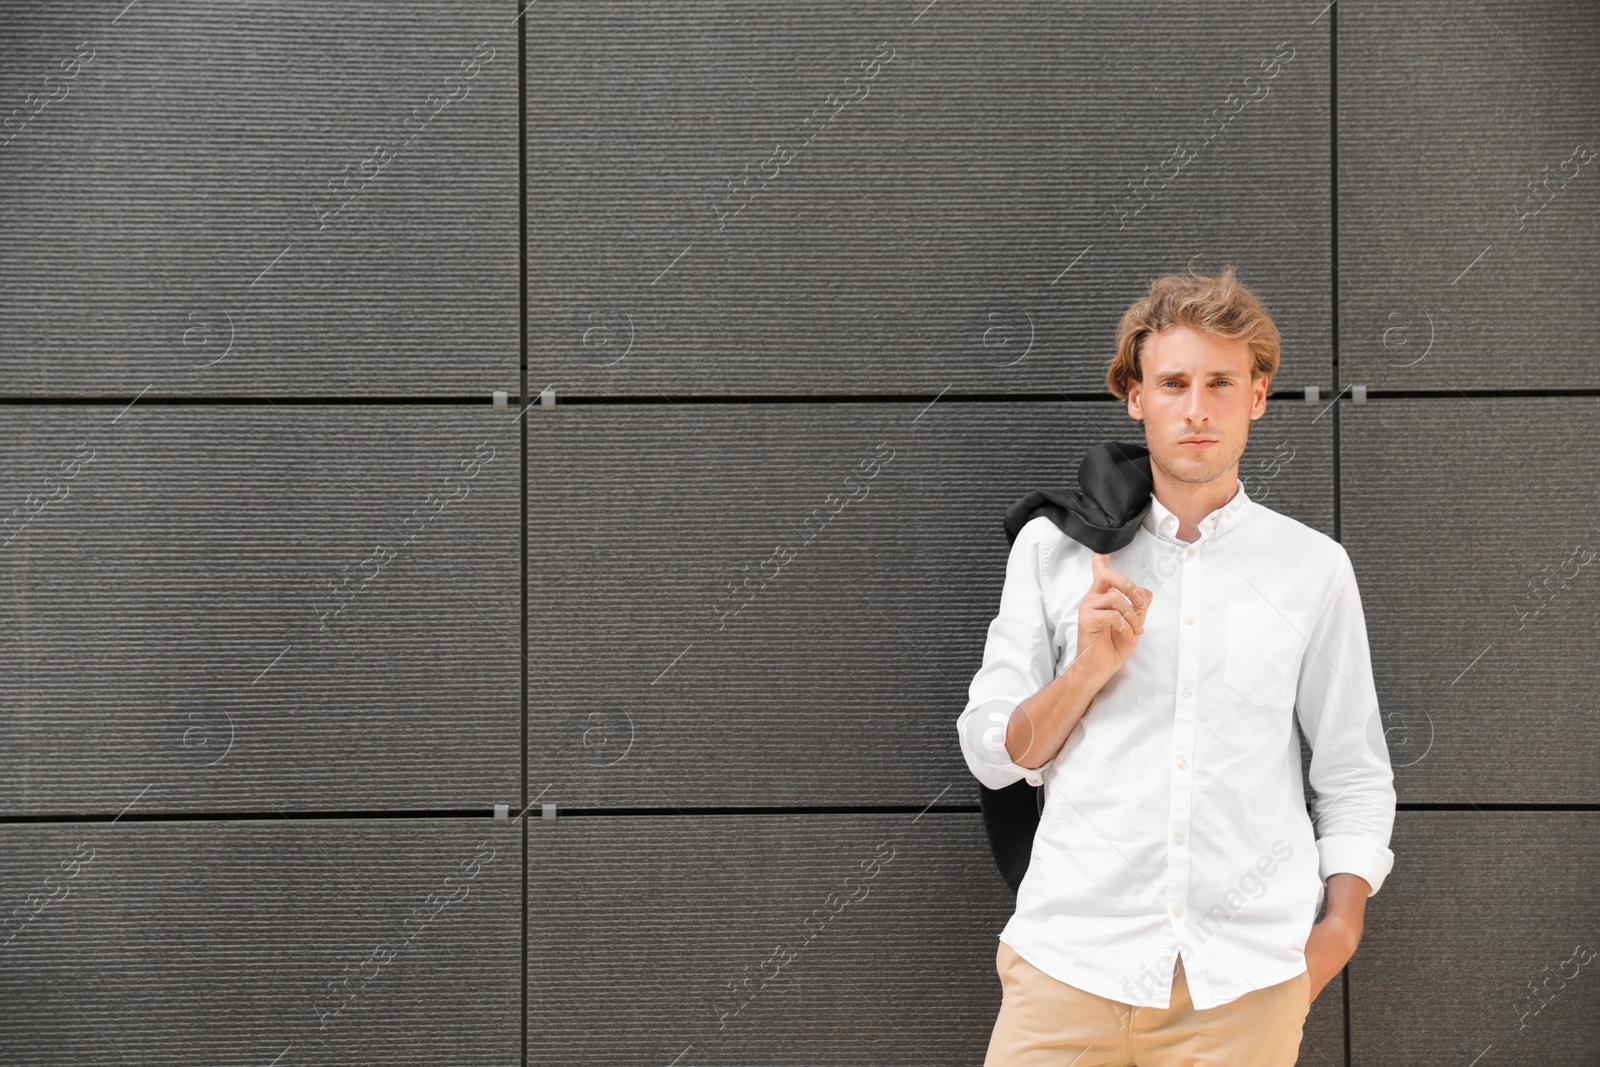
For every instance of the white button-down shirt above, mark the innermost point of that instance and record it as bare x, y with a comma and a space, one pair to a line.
1175, 816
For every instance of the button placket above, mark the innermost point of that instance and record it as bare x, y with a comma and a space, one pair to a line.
1180, 795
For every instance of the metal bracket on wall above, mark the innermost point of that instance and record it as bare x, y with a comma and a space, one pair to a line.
1358, 394
499, 398
547, 398
1312, 394
502, 812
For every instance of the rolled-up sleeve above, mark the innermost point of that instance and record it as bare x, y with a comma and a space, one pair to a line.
1337, 704
1018, 661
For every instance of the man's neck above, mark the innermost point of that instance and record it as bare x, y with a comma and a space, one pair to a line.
1190, 502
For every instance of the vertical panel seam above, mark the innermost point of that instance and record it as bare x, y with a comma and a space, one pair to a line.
1333, 255
522, 397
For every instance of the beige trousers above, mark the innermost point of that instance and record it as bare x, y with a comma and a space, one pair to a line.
1044, 1022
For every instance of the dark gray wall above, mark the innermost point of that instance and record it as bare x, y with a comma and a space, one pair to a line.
288, 604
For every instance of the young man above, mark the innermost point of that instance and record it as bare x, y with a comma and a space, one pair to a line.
1169, 912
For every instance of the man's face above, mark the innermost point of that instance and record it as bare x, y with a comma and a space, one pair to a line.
1196, 385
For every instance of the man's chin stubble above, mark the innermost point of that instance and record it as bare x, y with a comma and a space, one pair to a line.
1193, 473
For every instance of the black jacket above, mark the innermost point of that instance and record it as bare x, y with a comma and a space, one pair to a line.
1103, 513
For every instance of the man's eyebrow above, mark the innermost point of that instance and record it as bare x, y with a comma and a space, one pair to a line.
1225, 372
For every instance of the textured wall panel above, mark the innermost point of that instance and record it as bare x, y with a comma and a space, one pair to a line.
726, 940
1471, 526
280, 942
965, 217
871, 538
1482, 946
168, 216
1469, 193
307, 605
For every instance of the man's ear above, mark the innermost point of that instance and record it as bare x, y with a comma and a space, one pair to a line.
1265, 394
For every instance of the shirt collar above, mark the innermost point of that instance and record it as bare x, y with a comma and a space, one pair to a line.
1159, 520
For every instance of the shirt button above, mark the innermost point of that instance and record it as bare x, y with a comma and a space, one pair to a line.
1182, 764
1177, 912
1190, 552
1177, 838
1190, 620
1185, 690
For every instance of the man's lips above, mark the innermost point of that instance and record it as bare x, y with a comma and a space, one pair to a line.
1197, 442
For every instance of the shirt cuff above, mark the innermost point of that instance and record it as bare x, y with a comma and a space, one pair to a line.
983, 744
1034, 775
998, 772
1352, 854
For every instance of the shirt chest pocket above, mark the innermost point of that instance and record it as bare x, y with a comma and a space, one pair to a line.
1263, 648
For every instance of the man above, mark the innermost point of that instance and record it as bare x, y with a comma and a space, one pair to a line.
1169, 914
